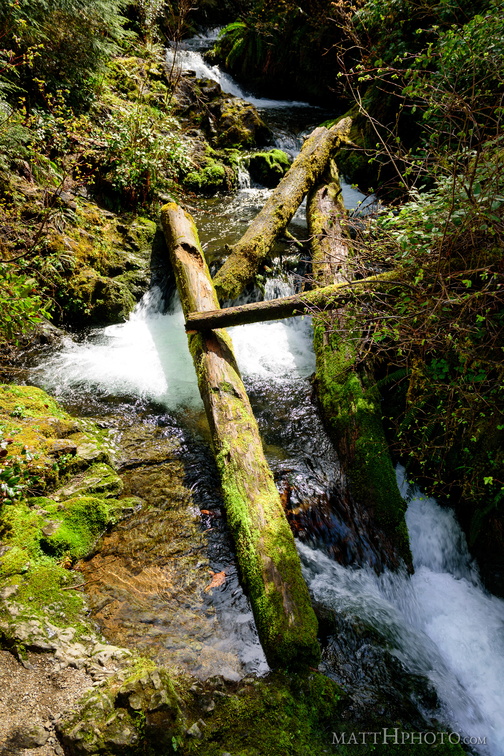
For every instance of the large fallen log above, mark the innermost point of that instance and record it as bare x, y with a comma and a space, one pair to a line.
265, 548
346, 390
307, 302
252, 249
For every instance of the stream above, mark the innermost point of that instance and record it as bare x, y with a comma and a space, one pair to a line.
427, 647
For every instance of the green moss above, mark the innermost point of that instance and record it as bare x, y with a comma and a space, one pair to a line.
212, 177
42, 586
15, 561
82, 521
239, 124
28, 401
280, 716
351, 407
285, 619
154, 713
42, 537
268, 167
99, 478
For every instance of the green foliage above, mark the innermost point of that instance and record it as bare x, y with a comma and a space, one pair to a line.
61, 42
445, 328
281, 46
14, 136
21, 306
244, 44
143, 152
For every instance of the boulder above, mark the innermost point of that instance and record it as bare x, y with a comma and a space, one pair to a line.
267, 168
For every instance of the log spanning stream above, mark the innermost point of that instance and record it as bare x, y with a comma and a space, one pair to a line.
431, 644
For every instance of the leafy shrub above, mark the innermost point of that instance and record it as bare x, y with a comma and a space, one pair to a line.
21, 305
143, 152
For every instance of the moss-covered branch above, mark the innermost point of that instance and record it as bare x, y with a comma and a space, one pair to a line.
265, 547
251, 250
326, 298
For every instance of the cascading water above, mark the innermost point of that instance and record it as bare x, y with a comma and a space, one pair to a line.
187, 56
439, 624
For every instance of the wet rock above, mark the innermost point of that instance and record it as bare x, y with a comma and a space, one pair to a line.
100, 478
227, 120
110, 717
267, 168
51, 527
59, 446
238, 123
8, 591
194, 731
105, 653
89, 449
106, 299
30, 633
33, 736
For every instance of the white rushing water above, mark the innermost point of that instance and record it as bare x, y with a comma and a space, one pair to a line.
188, 57
147, 357
440, 622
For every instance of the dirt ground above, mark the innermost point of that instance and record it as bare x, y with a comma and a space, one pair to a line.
33, 697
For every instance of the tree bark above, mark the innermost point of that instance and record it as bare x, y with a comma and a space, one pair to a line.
252, 249
307, 302
265, 548
347, 393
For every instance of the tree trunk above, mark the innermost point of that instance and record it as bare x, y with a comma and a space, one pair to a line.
346, 390
252, 249
307, 302
265, 548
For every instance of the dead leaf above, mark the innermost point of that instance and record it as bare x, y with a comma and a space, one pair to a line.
219, 578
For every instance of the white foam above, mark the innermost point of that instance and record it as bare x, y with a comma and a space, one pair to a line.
192, 60
441, 622
146, 357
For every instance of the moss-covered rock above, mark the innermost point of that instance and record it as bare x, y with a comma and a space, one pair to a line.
43, 445
227, 121
41, 537
211, 177
267, 168
100, 478
211, 170
280, 715
238, 123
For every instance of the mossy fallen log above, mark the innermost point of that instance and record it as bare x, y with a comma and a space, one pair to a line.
307, 302
252, 249
265, 548
346, 390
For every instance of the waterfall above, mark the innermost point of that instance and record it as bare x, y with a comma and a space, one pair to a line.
189, 59
146, 358
439, 623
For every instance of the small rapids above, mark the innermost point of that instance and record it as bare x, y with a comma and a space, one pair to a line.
440, 623
187, 56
